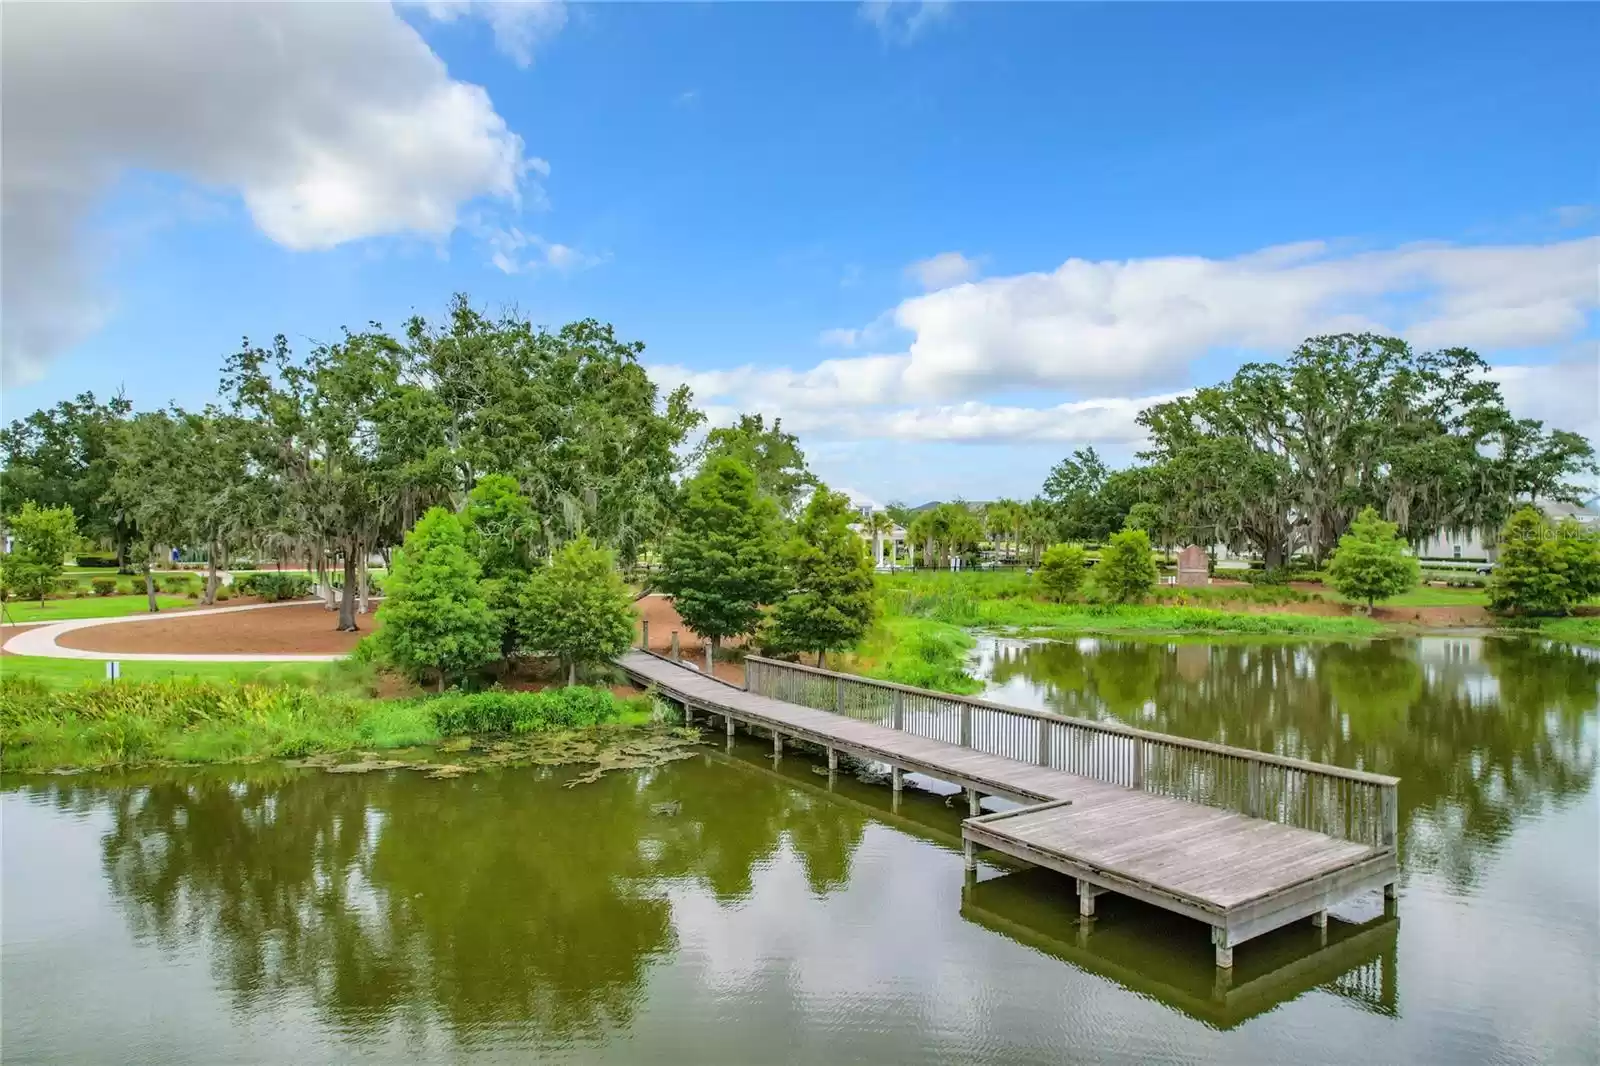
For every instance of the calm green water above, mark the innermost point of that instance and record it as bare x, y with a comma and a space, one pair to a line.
265, 914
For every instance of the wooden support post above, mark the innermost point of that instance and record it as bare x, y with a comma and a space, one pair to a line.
969, 855
974, 803
1224, 946
644, 635
1320, 919
897, 779
1086, 895
676, 653
833, 760
1044, 742
727, 720
898, 719
1391, 891
777, 744
688, 715
966, 725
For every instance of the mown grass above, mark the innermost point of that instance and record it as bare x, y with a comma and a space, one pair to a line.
184, 720
1585, 630
62, 610
66, 673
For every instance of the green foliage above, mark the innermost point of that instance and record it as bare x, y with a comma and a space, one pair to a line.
64, 456
1061, 571
577, 608
43, 536
773, 456
273, 586
92, 562
104, 586
1543, 571
831, 600
570, 707
1127, 570
436, 623
502, 530
722, 563
1371, 562
919, 652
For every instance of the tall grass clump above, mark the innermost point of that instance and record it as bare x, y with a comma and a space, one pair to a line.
572, 707
919, 652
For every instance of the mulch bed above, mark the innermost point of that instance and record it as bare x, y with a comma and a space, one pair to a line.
303, 629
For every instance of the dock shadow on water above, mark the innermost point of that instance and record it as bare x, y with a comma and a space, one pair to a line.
729, 907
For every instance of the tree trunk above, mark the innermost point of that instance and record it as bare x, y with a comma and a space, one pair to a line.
572, 672
1272, 558
211, 576
820, 653
439, 685
347, 601
150, 586
364, 592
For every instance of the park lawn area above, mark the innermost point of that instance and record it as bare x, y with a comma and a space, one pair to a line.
1427, 596
29, 611
66, 673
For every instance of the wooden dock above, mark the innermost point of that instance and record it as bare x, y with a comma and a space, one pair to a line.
1242, 841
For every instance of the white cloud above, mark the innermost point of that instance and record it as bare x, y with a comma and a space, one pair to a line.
943, 270
519, 25
508, 245
842, 338
331, 122
1109, 325
1110, 331
903, 21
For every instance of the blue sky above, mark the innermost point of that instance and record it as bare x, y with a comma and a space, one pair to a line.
1108, 204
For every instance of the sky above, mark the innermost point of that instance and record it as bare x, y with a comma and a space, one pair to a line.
946, 243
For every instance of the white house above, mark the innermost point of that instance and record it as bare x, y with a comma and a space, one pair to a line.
1470, 546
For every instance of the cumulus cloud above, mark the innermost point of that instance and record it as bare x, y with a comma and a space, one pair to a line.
331, 122
1091, 344
519, 25
943, 270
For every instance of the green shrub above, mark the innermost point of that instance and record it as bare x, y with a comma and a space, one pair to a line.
104, 586
108, 561
571, 707
1127, 569
272, 586
1061, 571
224, 594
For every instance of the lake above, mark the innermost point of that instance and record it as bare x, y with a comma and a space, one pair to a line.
724, 909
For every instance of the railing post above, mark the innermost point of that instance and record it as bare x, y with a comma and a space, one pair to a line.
1391, 816
838, 695
1044, 742
1138, 764
1253, 789
644, 634
966, 725
899, 713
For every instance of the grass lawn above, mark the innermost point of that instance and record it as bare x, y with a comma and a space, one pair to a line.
66, 673
1428, 596
29, 611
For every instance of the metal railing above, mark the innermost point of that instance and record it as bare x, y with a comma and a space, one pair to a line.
1349, 804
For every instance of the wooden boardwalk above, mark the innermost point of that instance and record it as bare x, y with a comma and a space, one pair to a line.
1243, 841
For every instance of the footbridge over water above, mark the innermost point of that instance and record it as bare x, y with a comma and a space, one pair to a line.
1242, 841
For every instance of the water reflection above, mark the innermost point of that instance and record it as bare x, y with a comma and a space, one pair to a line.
1482, 731
497, 900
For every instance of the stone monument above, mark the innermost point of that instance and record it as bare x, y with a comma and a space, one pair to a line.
1192, 569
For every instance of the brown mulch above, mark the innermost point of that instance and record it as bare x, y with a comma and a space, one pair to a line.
303, 629
664, 620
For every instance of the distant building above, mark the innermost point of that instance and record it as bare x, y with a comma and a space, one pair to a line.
1472, 546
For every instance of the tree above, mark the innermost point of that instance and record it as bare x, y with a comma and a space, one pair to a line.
1073, 488
152, 486
1061, 571
1542, 570
1371, 562
772, 455
436, 625
42, 538
1283, 456
578, 608
64, 456
1127, 570
503, 534
830, 602
1004, 519
722, 562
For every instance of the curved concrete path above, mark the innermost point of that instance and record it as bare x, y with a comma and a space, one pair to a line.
42, 641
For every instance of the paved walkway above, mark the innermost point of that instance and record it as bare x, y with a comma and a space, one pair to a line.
42, 641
